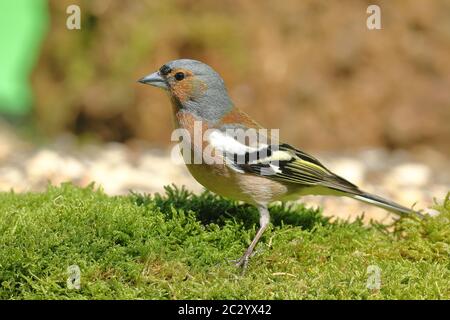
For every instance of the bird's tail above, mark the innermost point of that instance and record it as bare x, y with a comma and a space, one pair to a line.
385, 204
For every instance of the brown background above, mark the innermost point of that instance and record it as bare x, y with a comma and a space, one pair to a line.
311, 68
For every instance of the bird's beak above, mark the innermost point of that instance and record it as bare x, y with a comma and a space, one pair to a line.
155, 80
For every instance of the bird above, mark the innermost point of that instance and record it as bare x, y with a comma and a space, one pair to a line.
256, 169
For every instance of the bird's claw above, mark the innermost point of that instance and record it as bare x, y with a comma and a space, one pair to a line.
242, 262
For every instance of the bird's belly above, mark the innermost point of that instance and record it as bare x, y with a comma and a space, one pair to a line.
244, 187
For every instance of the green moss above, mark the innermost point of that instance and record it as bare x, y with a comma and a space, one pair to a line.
178, 245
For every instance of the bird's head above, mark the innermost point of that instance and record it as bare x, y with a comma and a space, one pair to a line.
194, 87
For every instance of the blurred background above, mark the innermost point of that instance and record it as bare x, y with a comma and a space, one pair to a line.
373, 104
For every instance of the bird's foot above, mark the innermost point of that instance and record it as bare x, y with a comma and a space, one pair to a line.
242, 262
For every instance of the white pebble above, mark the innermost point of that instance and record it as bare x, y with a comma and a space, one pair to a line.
431, 212
410, 174
352, 170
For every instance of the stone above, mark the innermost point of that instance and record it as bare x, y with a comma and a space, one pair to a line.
45, 164
12, 178
409, 174
352, 170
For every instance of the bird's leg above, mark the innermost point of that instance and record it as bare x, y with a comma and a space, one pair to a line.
263, 223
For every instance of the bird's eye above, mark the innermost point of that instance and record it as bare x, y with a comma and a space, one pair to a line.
179, 76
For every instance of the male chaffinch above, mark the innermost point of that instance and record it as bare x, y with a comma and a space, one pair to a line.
256, 172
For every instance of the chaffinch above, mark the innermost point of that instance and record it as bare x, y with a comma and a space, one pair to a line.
251, 167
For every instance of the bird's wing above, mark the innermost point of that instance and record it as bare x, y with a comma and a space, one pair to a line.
279, 162
282, 162
286, 163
